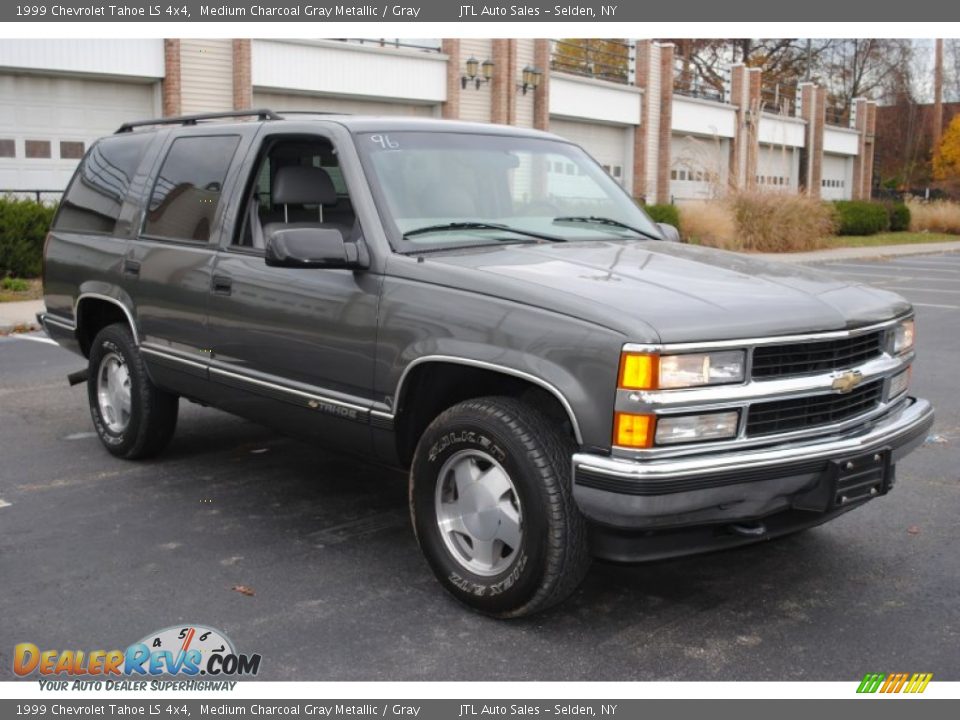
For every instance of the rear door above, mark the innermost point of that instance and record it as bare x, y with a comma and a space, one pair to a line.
169, 267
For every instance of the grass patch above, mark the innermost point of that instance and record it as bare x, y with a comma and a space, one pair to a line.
15, 290
888, 238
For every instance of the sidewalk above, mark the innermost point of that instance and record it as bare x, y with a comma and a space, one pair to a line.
861, 253
14, 314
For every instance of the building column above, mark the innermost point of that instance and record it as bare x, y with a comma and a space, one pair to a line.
866, 111
745, 144
501, 85
651, 140
170, 87
665, 134
450, 109
541, 97
242, 75
813, 110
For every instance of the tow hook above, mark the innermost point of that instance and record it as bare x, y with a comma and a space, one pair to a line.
757, 529
80, 376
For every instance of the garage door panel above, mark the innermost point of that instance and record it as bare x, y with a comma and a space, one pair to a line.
610, 145
55, 109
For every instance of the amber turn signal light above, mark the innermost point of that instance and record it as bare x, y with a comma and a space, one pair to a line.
631, 430
638, 371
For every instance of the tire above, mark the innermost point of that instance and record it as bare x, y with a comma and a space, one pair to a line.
505, 549
118, 379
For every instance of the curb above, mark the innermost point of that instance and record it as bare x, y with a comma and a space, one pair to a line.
878, 252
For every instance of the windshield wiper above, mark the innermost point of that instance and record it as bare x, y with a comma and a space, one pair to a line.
595, 220
479, 226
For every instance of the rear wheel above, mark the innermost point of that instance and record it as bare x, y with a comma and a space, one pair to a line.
492, 509
133, 418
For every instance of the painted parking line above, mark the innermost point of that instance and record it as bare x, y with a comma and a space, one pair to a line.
919, 289
35, 338
932, 305
4, 503
912, 268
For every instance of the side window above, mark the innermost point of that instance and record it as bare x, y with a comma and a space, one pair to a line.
93, 199
320, 198
187, 190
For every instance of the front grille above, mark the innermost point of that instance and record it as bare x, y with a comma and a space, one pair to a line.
812, 358
782, 416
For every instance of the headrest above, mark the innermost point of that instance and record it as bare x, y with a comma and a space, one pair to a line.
303, 185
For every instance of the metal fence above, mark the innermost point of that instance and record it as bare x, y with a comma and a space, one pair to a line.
422, 44
689, 81
779, 99
610, 60
40, 196
836, 116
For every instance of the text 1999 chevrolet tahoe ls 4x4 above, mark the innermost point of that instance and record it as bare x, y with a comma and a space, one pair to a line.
485, 306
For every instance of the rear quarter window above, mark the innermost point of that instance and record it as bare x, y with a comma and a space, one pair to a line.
187, 190
93, 199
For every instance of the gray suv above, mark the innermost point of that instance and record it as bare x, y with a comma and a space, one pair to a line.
485, 306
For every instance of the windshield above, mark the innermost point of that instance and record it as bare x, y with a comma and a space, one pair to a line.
453, 189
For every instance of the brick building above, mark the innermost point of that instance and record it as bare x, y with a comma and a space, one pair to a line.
663, 138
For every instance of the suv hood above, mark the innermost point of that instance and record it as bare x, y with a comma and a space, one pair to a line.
669, 292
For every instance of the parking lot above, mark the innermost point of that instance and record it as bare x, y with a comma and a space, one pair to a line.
97, 552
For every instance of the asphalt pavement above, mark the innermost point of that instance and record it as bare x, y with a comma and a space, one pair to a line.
96, 552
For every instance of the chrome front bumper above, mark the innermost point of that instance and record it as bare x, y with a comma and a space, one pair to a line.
733, 486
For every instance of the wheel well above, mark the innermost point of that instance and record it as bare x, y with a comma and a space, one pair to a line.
93, 315
432, 387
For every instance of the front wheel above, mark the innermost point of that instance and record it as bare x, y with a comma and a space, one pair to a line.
492, 509
133, 417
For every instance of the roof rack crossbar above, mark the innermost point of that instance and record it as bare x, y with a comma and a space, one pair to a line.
262, 114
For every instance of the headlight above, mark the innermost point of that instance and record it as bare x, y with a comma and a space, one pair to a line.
696, 428
640, 371
901, 337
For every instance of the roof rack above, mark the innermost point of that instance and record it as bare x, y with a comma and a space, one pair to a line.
262, 114
311, 112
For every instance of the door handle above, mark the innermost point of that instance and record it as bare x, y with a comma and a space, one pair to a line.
131, 267
222, 285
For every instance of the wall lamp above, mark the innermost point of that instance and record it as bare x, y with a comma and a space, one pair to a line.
477, 72
531, 79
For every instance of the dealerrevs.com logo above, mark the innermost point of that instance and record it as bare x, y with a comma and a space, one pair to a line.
184, 651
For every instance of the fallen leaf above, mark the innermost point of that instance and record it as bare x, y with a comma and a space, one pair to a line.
913, 530
243, 590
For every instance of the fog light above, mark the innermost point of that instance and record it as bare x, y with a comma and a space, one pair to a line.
696, 428
632, 430
899, 384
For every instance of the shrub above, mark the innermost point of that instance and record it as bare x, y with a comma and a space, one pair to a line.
708, 222
23, 227
780, 222
935, 216
664, 214
898, 216
858, 217
14, 284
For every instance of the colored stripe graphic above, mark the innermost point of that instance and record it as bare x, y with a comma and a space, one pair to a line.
894, 683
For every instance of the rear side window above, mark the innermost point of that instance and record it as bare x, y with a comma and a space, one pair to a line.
92, 202
187, 191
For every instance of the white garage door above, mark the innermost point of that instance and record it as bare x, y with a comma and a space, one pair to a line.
778, 168
699, 167
837, 178
291, 101
46, 123
610, 145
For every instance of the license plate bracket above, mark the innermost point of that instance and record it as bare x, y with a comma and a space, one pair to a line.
851, 479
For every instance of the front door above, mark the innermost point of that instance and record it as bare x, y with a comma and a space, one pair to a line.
294, 348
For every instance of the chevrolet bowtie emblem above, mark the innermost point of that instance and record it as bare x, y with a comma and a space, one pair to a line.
847, 381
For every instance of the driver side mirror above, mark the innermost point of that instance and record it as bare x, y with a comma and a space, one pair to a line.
311, 248
669, 232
